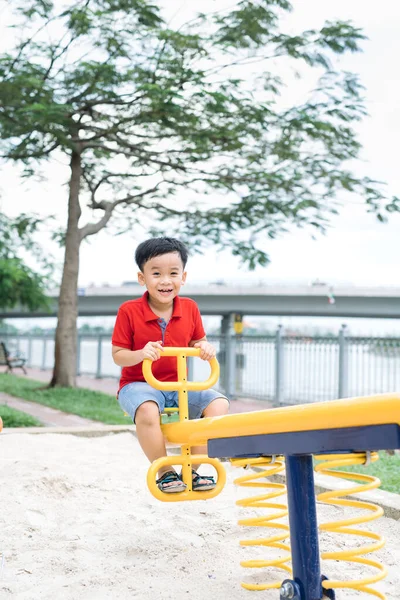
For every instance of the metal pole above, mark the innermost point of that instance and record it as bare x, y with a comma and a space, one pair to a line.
78, 355
230, 355
44, 354
222, 351
239, 365
222, 356
98, 368
279, 366
343, 363
29, 361
190, 366
230, 369
303, 528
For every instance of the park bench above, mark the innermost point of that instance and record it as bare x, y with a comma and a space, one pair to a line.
9, 361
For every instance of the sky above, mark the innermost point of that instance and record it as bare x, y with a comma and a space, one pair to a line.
357, 249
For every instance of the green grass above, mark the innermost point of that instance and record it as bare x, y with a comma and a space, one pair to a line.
16, 418
387, 469
79, 401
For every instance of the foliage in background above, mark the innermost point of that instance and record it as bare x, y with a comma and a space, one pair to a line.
20, 283
8, 327
190, 110
154, 119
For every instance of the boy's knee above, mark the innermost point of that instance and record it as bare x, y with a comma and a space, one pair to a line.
216, 408
147, 413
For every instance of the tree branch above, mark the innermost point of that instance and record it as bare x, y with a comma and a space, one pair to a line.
109, 207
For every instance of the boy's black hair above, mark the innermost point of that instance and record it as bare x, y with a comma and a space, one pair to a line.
158, 246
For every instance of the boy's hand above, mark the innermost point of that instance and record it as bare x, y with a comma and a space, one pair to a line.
152, 350
207, 350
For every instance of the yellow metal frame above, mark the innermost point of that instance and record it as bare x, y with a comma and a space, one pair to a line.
277, 510
186, 459
381, 409
349, 526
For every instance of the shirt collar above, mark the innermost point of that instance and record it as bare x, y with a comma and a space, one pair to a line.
150, 316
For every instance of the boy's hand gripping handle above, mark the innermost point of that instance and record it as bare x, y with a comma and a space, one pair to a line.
182, 383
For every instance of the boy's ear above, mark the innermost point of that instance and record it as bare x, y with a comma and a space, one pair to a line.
184, 277
140, 278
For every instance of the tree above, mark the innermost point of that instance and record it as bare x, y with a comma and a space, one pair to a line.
143, 110
20, 283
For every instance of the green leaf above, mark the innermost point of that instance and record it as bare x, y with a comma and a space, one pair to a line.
20, 283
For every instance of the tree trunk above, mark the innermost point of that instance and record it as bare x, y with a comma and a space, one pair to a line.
64, 373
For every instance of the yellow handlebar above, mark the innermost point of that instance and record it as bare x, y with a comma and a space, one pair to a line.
182, 383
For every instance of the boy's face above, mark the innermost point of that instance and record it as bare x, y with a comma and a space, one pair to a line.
163, 277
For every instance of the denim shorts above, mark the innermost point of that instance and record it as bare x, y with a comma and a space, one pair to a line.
132, 395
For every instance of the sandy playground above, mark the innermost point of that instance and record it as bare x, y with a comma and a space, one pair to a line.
78, 523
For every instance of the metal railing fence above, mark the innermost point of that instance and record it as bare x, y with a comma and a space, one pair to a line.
282, 369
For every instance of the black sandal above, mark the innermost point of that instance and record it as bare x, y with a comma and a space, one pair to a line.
171, 477
208, 482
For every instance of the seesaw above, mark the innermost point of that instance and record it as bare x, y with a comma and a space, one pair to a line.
352, 429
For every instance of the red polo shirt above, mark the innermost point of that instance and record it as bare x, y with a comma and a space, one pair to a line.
136, 325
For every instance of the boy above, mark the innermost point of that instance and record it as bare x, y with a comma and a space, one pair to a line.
142, 327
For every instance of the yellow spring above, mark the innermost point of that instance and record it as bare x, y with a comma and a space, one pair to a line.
280, 510
355, 555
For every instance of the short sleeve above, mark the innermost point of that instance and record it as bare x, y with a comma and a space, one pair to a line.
123, 331
198, 330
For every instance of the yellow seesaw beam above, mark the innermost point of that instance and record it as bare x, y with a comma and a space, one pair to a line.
380, 409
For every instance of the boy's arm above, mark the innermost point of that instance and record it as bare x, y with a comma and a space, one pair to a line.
129, 358
193, 342
207, 350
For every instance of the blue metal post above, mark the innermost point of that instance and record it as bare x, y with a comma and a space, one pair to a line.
303, 526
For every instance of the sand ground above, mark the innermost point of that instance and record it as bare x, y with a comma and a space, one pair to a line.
78, 523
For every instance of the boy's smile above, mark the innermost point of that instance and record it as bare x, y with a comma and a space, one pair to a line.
163, 277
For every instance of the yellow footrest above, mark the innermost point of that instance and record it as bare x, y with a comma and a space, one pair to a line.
186, 463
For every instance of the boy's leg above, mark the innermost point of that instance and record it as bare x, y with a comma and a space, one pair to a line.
144, 405
151, 440
149, 434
